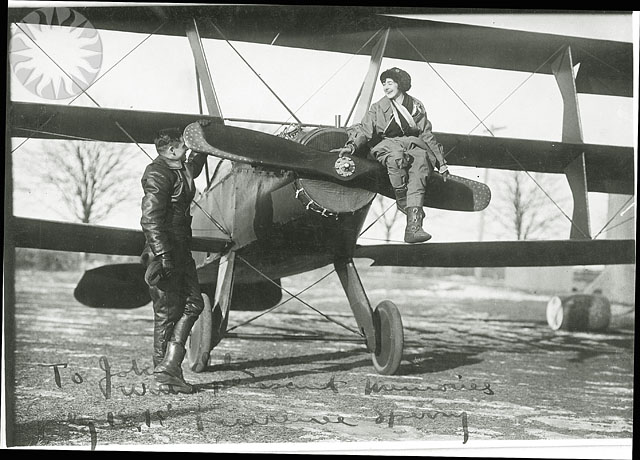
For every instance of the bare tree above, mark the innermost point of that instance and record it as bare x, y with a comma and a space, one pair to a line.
527, 207
93, 178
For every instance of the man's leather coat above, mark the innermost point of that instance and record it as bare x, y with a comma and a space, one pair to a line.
168, 192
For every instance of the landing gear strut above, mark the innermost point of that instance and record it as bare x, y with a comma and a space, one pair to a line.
211, 325
382, 327
199, 343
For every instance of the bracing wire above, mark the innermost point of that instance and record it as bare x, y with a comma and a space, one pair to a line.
50, 133
621, 223
612, 218
517, 88
327, 317
213, 220
444, 80
254, 71
73, 80
377, 219
281, 303
351, 58
382, 239
132, 139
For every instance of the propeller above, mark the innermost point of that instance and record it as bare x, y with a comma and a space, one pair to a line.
261, 149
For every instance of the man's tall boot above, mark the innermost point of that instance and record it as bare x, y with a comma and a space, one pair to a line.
169, 371
401, 198
162, 333
414, 233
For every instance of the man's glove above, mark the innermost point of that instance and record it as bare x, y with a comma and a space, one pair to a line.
168, 267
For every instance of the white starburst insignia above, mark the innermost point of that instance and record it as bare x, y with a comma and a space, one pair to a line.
55, 53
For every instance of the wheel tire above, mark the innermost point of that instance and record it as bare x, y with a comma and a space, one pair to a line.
581, 312
200, 341
389, 338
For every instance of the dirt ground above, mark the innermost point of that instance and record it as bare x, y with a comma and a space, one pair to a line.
480, 363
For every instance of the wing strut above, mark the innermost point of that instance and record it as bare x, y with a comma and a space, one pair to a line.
575, 172
202, 70
368, 85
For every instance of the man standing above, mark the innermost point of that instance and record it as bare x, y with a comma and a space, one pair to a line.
399, 134
171, 272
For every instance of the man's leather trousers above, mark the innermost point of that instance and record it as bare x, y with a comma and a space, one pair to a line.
181, 296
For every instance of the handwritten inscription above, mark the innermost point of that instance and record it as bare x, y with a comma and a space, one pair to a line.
107, 383
388, 419
393, 417
280, 419
331, 384
387, 388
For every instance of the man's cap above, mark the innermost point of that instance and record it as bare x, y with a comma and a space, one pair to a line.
402, 78
167, 136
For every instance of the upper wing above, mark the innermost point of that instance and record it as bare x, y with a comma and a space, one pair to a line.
55, 121
502, 253
606, 67
608, 168
64, 236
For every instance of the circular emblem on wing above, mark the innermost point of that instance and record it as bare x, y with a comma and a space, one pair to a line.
345, 166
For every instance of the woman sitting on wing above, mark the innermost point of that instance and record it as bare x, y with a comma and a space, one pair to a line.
399, 134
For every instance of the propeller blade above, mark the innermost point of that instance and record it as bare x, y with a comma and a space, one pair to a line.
261, 149
119, 286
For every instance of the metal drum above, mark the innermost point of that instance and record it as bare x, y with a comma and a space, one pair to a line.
327, 198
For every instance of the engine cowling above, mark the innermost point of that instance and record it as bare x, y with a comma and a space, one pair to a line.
328, 198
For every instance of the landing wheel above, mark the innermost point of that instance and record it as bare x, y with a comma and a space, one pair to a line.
200, 341
389, 338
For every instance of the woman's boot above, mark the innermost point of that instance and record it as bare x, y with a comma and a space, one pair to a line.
401, 198
414, 233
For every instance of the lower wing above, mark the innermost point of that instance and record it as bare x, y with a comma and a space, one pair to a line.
501, 253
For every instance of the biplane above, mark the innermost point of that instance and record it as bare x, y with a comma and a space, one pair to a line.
276, 206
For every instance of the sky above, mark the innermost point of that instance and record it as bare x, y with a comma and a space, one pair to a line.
318, 85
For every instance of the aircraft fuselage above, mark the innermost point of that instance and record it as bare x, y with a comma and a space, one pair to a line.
275, 232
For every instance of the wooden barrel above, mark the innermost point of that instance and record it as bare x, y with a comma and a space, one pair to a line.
579, 312
327, 198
